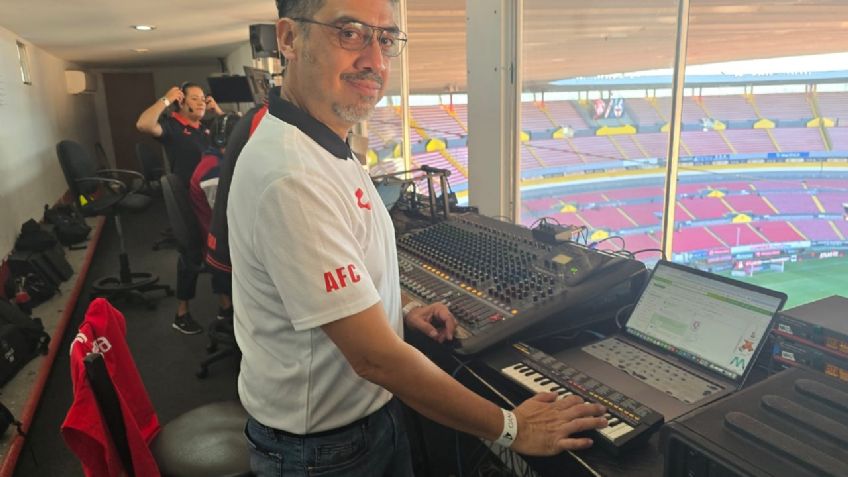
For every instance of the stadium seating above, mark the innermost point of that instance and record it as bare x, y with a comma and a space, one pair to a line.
789, 203
727, 108
778, 231
749, 204
534, 119
784, 106
778, 208
799, 139
645, 113
834, 106
816, 229
564, 113
747, 141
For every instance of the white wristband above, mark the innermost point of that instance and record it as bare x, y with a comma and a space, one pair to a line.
166, 101
510, 429
410, 306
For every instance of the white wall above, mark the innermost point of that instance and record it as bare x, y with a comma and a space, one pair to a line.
236, 61
33, 118
166, 77
239, 58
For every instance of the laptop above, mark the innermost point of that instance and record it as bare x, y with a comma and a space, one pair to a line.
692, 338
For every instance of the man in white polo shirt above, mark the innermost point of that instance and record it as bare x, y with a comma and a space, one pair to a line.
315, 277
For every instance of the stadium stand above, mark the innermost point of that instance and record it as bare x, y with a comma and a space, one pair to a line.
799, 139
789, 203
727, 108
534, 119
644, 113
563, 113
834, 106
785, 106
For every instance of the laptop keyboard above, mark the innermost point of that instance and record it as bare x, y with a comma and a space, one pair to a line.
653, 371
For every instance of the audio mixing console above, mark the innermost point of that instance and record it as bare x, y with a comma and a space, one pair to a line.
498, 280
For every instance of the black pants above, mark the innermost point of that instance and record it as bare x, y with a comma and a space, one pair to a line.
189, 268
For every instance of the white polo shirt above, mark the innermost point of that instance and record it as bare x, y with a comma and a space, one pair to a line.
311, 243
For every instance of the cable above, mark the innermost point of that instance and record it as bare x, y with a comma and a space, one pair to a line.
644, 250
456, 371
619, 237
618, 314
543, 220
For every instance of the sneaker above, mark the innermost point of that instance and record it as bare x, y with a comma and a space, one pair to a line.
186, 324
225, 313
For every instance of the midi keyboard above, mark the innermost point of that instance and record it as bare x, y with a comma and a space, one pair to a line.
630, 421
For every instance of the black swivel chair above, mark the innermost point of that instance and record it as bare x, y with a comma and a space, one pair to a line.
152, 169
100, 192
190, 245
151, 166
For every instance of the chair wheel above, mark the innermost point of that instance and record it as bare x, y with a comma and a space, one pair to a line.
202, 372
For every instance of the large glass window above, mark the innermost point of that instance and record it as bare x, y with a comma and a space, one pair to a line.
763, 182
438, 121
594, 118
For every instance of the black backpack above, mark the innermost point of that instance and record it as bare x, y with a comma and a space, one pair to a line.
68, 225
21, 339
34, 237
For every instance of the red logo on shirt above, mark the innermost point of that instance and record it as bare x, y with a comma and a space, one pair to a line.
186, 132
339, 277
359, 202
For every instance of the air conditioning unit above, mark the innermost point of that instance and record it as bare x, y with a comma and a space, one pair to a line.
80, 82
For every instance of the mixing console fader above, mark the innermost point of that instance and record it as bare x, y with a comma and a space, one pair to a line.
498, 280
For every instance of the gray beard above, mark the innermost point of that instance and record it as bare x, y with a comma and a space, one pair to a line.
353, 113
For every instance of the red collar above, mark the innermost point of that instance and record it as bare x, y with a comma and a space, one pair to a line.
184, 121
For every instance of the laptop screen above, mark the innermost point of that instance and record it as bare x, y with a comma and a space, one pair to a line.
715, 322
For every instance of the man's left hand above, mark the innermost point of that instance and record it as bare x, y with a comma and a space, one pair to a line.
433, 320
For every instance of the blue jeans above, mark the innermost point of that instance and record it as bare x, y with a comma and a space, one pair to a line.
374, 446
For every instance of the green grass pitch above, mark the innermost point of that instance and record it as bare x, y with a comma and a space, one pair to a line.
806, 281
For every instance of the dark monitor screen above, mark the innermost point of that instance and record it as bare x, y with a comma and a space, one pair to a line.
230, 89
260, 83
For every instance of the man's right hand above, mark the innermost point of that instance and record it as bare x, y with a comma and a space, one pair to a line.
545, 425
174, 95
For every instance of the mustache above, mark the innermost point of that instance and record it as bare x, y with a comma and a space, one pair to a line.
364, 75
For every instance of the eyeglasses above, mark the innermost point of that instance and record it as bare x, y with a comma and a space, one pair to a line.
355, 36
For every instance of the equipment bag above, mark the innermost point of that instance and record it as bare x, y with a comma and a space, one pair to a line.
69, 226
34, 237
21, 339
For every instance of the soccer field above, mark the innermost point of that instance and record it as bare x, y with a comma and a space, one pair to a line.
806, 281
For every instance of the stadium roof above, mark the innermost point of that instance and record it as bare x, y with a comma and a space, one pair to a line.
562, 38
695, 81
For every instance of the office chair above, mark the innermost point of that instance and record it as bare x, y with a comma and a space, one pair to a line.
152, 169
190, 245
100, 153
151, 166
207, 441
100, 192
